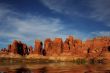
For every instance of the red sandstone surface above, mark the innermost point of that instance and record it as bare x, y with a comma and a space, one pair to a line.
91, 48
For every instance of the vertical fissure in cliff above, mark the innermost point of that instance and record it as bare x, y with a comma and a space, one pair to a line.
109, 48
20, 49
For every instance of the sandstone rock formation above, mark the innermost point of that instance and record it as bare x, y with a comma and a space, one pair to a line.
17, 47
68, 46
38, 47
48, 47
57, 47
30, 50
4, 50
14, 47
91, 48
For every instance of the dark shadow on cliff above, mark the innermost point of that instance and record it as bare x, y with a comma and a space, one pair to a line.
23, 70
42, 70
109, 48
22, 51
19, 49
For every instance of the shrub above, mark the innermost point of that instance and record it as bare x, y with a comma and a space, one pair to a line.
92, 61
80, 61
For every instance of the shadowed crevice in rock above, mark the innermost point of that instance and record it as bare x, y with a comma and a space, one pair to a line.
43, 70
44, 52
20, 49
17, 47
109, 48
23, 70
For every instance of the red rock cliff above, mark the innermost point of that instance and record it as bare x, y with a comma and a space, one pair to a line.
91, 48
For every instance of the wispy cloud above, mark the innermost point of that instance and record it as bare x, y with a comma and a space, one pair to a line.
68, 7
27, 27
101, 33
101, 10
98, 10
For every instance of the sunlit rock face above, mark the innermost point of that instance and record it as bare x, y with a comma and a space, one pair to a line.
57, 47
53, 48
14, 47
91, 48
72, 47
68, 46
38, 47
97, 47
48, 47
78, 47
30, 50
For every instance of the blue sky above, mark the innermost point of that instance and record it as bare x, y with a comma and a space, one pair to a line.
27, 20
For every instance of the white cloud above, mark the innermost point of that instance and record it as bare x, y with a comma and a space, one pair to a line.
62, 6
36, 26
12, 35
98, 10
4, 9
28, 27
101, 10
101, 33
55, 4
